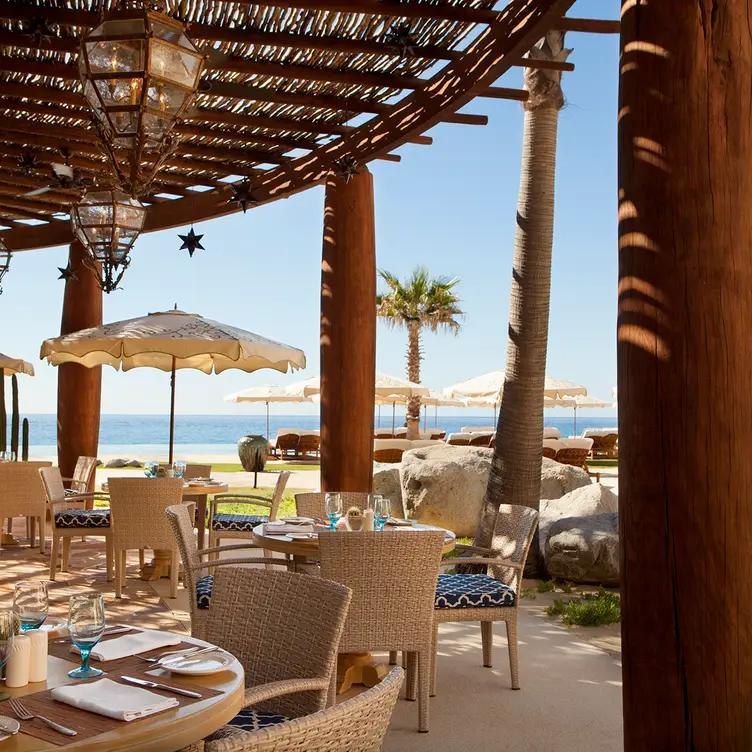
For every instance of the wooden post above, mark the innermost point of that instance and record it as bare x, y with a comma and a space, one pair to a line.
684, 354
348, 334
79, 389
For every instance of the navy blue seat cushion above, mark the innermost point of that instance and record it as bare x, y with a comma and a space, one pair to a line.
247, 720
204, 591
83, 518
472, 591
237, 523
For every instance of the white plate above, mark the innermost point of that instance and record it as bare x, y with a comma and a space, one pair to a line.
198, 665
297, 520
399, 523
302, 536
56, 626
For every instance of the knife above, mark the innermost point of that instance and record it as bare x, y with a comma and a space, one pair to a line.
107, 632
156, 685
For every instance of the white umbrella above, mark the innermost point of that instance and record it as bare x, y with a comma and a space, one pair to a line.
9, 366
168, 341
580, 401
491, 385
386, 386
266, 394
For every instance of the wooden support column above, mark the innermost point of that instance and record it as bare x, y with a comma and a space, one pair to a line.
684, 355
348, 334
79, 389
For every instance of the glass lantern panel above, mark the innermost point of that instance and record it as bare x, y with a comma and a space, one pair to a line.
98, 235
118, 26
115, 57
166, 99
124, 122
118, 92
166, 32
155, 127
129, 216
172, 64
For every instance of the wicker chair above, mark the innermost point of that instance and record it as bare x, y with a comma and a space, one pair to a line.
22, 495
70, 517
393, 578
288, 443
481, 441
549, 452
314, 504
309, 444
137, 509
388, 455
82, 474
493, 596
604, 446
356, 725
241, 525
284, 628
458, 441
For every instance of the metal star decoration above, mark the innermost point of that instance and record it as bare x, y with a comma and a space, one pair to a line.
242, 194
191, 242
39, 28
27, 162
67, 273
401, 39
346, 167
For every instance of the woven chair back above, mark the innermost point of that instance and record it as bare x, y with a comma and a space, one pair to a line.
52, 482
513, 534
85, 466
137, 511
549, 452
182, 529
314, 504
576, 456
280, 626
388, 455
288, 441
393, 577
309, 444
21, 490
461, 441
197, 471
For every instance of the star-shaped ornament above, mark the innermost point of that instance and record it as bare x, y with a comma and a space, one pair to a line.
400, 38
67, 273
40, 29
27, 162
346, 167
191, 242
242, 194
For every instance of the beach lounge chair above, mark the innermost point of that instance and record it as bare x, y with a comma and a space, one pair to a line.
483, 440
388, 455
287, 444
309, 444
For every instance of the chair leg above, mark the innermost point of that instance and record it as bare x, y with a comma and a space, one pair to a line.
424, 669
331, 697
31, 530
141, 558
392, 653
66, 553
109, 558
119, 566
42, 532
411, 683
10, 525
514, 661
53, 555
434, 657
486, 634
174, 572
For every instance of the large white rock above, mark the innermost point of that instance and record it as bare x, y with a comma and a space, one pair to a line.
444, 485
386, 481
584, 549
582, 502
558, 479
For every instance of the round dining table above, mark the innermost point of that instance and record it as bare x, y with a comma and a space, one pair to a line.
168, 731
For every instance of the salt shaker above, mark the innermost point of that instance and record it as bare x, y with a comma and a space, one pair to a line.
368, 524
38, 662
17, 667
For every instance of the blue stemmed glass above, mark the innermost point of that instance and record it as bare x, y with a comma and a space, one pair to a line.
86, 623
31, 603
178, 468
333, 509
381, 511
150, 468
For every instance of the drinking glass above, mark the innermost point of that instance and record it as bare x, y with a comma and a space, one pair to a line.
86, 623
381, 511
333, 509
30, 603
7, 631
150, 468
178, 468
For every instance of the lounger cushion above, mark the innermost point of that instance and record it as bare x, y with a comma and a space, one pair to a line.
237, 523
248, 719
472, 591
204, 591
83, 518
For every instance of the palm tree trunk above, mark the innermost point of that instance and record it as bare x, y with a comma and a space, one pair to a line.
413, 374
516, 465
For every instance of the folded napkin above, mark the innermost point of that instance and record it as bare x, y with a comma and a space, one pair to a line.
277, 528
114, 700
130, 644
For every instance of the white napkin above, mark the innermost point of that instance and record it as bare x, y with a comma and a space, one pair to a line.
280, 528
114, 700
130, 644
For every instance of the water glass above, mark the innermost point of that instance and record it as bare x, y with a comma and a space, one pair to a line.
7, 632
150, 468
381, 511
86, 623
31, 603
333, 509
178, 468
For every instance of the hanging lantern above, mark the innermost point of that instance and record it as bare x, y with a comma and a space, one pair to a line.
107, 223
4, 262
140, 73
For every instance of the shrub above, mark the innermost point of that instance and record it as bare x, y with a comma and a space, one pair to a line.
591, 610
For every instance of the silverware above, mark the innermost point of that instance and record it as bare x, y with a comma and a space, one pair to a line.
23, 714
156, 658
9, 725
157, 685
106, 633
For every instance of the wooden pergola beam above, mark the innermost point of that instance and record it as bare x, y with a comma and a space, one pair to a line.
502, 92
590, 25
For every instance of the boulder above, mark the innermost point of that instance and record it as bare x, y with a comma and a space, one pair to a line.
584, 549
444, 485
120, 462
582, 502
386, 481
558, 480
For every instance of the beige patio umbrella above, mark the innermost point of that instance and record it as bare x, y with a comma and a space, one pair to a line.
169, 341
491, 385
580, 401
9, 366
267, 394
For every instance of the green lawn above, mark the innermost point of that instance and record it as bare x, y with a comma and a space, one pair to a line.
236, 467
603, 463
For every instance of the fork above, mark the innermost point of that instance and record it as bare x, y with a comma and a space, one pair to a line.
187, 651
24, 715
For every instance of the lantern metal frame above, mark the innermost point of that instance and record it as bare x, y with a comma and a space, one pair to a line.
5, 256
107, 222
136, 105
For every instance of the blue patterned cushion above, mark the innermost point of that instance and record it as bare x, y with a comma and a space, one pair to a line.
237, 523
83, 518
472, 591
204, 591
249, 719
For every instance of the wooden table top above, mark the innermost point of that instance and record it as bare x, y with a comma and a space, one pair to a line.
164, 732
309, 548
196, 490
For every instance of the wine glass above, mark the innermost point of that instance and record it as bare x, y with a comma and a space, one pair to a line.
150, 468
86, 623
333, 509
31, 603
381, 511
178, 468
7, 632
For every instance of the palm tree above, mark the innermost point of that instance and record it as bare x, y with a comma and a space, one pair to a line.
421, 302
516, 466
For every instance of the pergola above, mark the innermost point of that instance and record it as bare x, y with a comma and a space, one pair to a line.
296, 93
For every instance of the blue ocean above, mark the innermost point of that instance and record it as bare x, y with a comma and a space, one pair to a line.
218, 434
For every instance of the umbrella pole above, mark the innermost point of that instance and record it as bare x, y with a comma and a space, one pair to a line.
172, 408
267, 422
575, 420
379, 424
425, 416
394, 410
435, 416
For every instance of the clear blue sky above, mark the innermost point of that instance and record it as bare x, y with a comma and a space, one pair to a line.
450, 206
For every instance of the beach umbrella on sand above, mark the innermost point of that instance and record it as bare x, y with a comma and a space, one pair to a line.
266, 394
580, 401
491, 386
9, 366
169, 341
